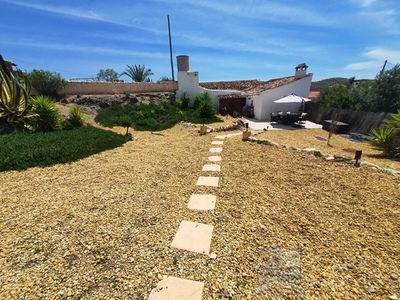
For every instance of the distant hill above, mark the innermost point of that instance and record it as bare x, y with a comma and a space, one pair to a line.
319, 85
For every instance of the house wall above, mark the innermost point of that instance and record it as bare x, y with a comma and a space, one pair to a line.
189, 84
300, 87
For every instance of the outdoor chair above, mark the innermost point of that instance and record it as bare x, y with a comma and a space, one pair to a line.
274, 118
302, 118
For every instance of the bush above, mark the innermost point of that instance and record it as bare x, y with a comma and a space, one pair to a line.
197, 100
76, 116
47, 83
206, 106
387, 137
46, 114
185, 101
150, 117
21, 151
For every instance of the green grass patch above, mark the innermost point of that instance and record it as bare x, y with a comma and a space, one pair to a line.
151, 117
20, 151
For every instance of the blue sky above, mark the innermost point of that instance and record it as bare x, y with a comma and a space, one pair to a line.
225, 40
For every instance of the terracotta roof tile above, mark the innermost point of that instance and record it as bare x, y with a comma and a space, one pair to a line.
249, 86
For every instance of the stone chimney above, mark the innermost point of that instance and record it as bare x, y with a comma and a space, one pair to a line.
301, 71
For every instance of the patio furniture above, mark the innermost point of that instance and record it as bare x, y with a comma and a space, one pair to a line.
274, 117
338, 127
302, 118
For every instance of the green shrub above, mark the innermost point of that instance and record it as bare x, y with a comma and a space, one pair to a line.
76, 116
185, 101
47, 83
21, 151
47, 116
150, 117
197, 100
206, 106
178, 102
387, 137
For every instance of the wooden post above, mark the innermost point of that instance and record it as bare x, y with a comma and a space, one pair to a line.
246, 135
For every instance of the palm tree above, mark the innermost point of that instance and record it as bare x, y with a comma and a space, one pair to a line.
137, 73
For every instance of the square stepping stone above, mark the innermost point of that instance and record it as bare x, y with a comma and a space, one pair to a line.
215, 150
220, 137
212, 168
214, 158
202, 202
207, 181
217, 142
234, 134
177, 288
194, 237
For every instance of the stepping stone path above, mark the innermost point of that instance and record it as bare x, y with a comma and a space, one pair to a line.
208, 181
192, 236
212, 168
177, 288
202, 202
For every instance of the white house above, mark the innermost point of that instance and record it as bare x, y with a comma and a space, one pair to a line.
249, 96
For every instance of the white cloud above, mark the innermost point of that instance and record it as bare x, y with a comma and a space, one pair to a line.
376, 60
381, 55
367, 3
85, 49
367, 65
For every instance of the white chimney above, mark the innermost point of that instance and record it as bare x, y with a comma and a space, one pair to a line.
301, 71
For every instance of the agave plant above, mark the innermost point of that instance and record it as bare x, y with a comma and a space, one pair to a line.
47, 116
15, 89
76, 116
387, 137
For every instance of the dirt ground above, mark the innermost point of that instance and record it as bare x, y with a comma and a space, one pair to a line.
287, 224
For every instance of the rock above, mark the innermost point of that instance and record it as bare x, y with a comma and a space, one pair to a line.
370, 288
394, 276
318, 153
213, 256
368, 164
393, 297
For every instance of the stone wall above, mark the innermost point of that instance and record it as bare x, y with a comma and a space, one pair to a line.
100, 88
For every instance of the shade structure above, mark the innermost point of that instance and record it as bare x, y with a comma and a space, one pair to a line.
292, 99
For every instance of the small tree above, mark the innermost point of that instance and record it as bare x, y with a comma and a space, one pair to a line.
206, 106
47, 83
138, 73
126, 121
333, 126
107, 75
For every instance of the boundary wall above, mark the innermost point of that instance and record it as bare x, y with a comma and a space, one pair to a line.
99, 88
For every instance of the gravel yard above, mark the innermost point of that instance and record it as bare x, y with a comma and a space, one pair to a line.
287, 224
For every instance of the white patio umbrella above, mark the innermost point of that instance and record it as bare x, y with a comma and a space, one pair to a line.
292, 99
